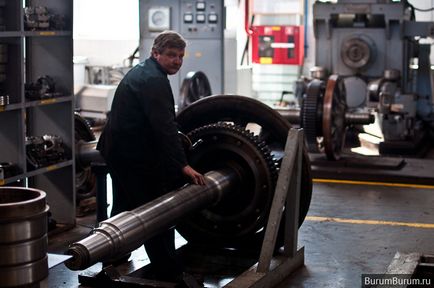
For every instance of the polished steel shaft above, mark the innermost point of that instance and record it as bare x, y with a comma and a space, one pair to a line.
128, 230
355, 118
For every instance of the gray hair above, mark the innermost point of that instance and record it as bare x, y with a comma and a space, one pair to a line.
168, 39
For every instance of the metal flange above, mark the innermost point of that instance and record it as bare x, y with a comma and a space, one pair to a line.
333, 117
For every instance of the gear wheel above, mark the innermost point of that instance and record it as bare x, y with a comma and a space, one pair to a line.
244, 211
194, 87
311, 115
85, 180
242, 110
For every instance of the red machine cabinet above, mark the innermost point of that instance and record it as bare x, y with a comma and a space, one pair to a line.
278, 44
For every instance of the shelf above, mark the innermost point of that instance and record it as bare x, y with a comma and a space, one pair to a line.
11, 107
11, 179
26, 56
36, 172
48, 101
50, 168
9, 34
47, 33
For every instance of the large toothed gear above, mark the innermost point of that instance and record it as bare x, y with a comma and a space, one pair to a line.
85, 181
311, 113
241, 214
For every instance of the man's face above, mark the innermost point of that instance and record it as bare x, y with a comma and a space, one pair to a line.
170, 59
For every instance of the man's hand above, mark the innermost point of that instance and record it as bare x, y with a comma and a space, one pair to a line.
195, 176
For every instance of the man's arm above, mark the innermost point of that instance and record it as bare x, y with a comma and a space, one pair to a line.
162, 120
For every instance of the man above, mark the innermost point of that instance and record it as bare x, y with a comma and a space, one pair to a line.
141, 146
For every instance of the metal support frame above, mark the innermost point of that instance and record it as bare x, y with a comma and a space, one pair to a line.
272, 267
271, 270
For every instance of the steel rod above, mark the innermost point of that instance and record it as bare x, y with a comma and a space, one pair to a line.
357, 118
129, 230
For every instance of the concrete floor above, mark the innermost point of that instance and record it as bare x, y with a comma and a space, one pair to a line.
343, 235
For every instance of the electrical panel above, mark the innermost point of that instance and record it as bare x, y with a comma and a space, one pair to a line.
201, 23
278, 45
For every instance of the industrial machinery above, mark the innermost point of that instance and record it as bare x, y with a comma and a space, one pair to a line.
375, 49
201, 23
85, 181
194, 87
232, 209
324, 115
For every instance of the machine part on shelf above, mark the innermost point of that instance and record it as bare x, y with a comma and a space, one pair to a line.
242, 111
45, 87
333, 121
40, 18
85, 181
42, 151
238, 165
23, 236
194, 87
36, 18
4, 100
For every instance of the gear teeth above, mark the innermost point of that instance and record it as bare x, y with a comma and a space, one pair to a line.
246, 134
310, 123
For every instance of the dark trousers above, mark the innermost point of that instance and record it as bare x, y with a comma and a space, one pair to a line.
133, 188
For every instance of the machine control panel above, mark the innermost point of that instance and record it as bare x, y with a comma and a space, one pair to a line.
200, 6
159, 18
201, 18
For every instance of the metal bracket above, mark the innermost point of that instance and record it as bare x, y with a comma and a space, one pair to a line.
271, 270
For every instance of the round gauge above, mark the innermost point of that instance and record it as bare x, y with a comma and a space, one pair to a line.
159, 18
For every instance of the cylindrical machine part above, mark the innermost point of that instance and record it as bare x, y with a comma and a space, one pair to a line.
356, 52
359, 118
292, 115
392, 74
318, 72
23, 236
129, 230
355, 118
87, 153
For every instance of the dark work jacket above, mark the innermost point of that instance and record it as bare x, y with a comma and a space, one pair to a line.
141, 132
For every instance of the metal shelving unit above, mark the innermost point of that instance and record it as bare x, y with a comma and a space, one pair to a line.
29, 55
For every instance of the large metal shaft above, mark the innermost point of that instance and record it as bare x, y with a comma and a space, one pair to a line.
355, 118
129, 230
